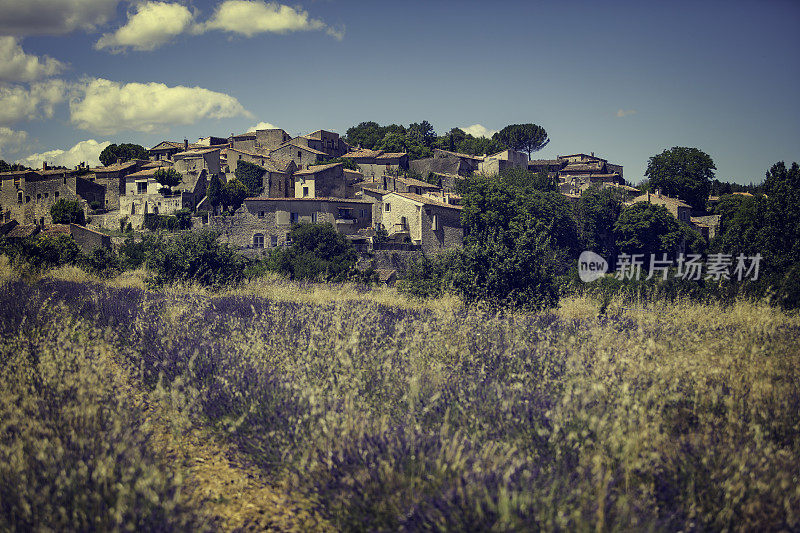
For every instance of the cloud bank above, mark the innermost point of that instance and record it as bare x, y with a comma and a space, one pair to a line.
38, 101
622, 113
477, 130
11, 140
109, 107
262, 126
54, 17
152, 25
16, 65
88, 151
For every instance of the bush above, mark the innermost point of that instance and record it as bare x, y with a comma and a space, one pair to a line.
102, 262
180, 220
318, 252
67, 212
47, 251
196, 257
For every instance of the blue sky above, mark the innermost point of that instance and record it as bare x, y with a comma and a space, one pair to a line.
625, 80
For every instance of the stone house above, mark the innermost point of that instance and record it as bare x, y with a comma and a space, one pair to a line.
679, 209
321, 181
433, 225
324, 141
164, 150
143, 194
266, 222
27, 196
377, 163
245, 141
446, 162
268, 140
302, 156
493, 164
196, 160
112, 178
551, 166
402, 184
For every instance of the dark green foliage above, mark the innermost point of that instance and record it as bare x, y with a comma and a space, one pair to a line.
168, 178
523, 137
179, 220
124, 151
196, 257
214, 192
95, 205
644, 228
430, 277
133, 254
596, 214
684, 173
769, 225
5, 167
317, 252
102, 262
251, 176
457, 140
67, 212
366, 135
46, 251
526, 180
233, 194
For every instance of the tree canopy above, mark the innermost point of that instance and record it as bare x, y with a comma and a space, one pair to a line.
251, 175
233, 193
684, 173
167, 178
644, 228
596, 213
317, 251
523, 137
124, 151
65, 211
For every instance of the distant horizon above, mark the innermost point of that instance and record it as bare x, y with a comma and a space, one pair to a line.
625, 80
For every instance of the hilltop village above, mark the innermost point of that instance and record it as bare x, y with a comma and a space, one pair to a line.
309, 178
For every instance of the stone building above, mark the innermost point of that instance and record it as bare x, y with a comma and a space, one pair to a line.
446, 162
164, 150
679, 209
196, 160
321, 181
377, 163
112, 178
26, 196
494, 164
302, 156
324, 141
143, 195
433, 225
266, 222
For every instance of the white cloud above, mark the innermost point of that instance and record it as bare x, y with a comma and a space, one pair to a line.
153, 25
622, 113
12, 140
477, 130
54, 17
88, 151
262, 126
39, 101
249, 17
108, 107
16, 65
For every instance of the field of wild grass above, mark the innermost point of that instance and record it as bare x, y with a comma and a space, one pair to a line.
285, 406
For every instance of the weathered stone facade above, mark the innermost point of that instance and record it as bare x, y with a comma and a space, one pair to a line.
266, 222
433, 225
27, 196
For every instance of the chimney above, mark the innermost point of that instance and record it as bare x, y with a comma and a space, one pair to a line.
119, 160
592, 154
185, 144
44, 165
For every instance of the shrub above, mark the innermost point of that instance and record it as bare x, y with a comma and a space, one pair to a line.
67, 212
102, 262
197, 257
318, 252
179, 220
48, 251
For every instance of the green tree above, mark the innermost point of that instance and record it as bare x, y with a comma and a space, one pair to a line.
421, 133
194, 256
251, 175
596, 213
644, 228
167, 178
67, 212
125, 152
346, 162
214, 192
233, 194
366, 134
684, 173
523, 137
317, 252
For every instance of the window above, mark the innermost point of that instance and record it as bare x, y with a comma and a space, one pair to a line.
261, 214
388, 207
258, 240
19, 197
46, 195
56, 194
65, 180
294, 218
404, 222
314, 217
345, 214
141, 187
305, 191
273, 240
434, 222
